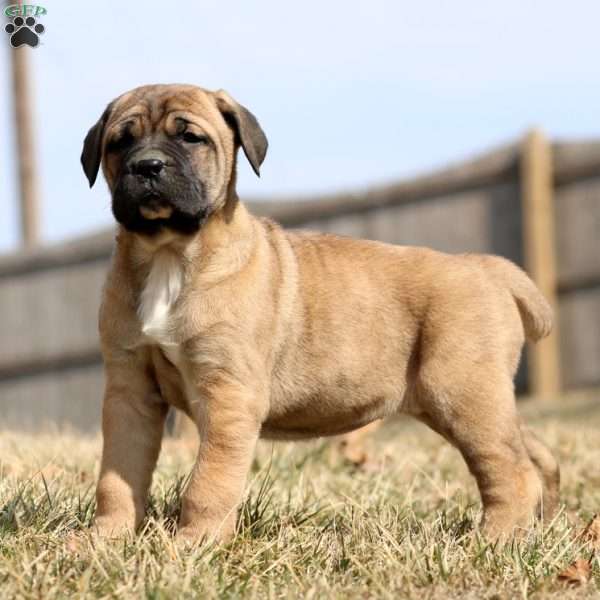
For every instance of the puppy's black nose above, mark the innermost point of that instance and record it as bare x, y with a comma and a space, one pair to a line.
147, 167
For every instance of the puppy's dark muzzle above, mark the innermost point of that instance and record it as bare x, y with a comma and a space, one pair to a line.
158, 189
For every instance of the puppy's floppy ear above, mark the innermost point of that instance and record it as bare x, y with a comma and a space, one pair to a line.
248, 132
91, 156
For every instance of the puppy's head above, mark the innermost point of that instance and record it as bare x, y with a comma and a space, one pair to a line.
168, 154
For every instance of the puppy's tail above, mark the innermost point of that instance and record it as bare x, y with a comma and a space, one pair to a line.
536, 312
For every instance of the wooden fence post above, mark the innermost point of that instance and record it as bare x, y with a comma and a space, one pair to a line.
537, 205
28, 188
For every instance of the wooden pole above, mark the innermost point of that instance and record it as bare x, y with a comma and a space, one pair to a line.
28, 189
539, 245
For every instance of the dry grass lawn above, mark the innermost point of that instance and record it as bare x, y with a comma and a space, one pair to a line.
313, 526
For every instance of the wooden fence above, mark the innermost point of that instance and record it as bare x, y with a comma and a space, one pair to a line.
534, 202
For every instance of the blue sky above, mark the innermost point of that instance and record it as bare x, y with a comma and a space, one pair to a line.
350, 93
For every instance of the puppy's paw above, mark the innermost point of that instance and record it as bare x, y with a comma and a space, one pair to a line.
189, 538
503, 528
112, 527
205, 532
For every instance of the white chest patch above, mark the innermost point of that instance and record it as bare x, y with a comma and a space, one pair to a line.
158, 297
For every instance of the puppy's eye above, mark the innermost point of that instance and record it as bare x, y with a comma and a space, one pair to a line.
120, 143
192, 138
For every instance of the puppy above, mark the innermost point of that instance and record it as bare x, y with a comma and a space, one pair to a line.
255, 331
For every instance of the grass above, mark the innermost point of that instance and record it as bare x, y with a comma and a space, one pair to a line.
312, 526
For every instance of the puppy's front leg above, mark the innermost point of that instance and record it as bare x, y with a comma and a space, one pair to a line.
229, 429
133, 418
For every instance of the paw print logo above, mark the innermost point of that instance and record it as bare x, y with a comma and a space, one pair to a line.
24, 31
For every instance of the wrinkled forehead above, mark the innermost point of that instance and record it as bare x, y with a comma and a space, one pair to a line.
152, 105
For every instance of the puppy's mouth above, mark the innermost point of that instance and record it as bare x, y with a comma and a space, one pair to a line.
154, 207
147, 206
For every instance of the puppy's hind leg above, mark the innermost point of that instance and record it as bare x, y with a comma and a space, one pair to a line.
479, 418
548, 469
